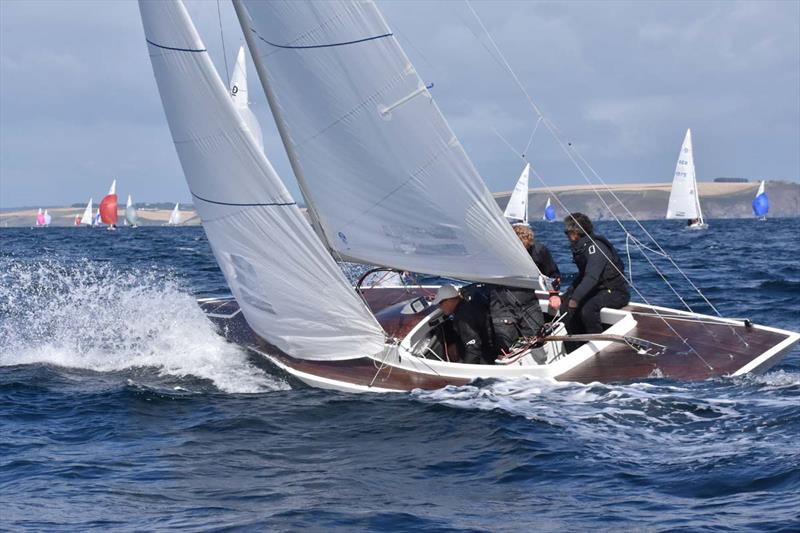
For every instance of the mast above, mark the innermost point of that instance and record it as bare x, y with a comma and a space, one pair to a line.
241, 14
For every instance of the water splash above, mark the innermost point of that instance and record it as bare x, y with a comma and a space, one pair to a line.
89, 315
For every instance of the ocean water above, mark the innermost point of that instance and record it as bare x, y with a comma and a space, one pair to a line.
121, 409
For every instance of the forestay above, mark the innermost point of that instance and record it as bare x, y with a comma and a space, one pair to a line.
290, 290
683, 201
378, 164
238, 89
517, 207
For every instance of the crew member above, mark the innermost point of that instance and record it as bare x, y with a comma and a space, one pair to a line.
600, 281
544, 261
470, 322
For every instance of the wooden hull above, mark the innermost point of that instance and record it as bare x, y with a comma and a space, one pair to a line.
697, 347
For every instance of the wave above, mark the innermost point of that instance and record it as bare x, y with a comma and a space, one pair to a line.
91, 316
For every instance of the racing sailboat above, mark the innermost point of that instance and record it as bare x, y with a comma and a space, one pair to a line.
108, 207
684, 200
761, 203
40, 219
368, 146
549, 212
238, 88
86, 218
175, 216
47, 218
517, 208
131, 219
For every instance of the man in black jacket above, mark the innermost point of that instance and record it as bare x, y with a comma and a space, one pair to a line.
470, 314
600, 281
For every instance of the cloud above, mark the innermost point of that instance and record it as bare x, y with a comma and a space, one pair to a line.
622, 80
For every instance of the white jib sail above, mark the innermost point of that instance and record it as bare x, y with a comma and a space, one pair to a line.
47, 218
87, 214
517, 208
238, 90
683, 199
379, 166
290, 290
175, 215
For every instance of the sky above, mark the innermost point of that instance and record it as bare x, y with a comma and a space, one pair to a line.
622, 81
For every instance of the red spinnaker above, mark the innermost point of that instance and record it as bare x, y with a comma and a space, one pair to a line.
108, 209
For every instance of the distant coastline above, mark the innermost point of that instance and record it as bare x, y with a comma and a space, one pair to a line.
646, 201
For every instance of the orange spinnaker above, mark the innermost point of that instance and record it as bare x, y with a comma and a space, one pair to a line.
108, 209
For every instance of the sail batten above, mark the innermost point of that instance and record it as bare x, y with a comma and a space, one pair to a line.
289, 289
381, 171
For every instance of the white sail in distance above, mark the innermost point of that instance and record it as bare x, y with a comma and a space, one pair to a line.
238, 88
517, 207
292, 293
86, 218
380, 168
47, 218
131, 218
684, 201
175, 215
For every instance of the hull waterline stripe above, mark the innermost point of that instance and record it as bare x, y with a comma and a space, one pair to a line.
273, 204
175, 49
331, 45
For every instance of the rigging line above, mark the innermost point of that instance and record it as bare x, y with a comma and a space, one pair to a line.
596, 174
630, 282
530, 141
551, 127
222, 38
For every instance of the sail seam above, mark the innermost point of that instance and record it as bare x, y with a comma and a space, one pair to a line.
328, 45
266, 204
175, 49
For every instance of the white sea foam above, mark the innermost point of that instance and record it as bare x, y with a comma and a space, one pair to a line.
92, 316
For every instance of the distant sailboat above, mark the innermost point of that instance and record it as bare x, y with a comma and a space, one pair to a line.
96, 221
238, 88
77, 220
40, 218
175, 216
86, 219
517, 209
108, 207
47, 218
761, 203
549, 212
684, 201
131, 219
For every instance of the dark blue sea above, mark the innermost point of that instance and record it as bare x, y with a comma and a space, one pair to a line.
121, 409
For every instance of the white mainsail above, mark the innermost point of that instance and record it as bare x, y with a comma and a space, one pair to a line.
175, 216
684, 201
517, 208
87, 214
238, 88
381, 170
290, 290
47, 218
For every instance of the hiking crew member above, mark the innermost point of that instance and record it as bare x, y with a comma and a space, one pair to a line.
544, 261
600, 281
